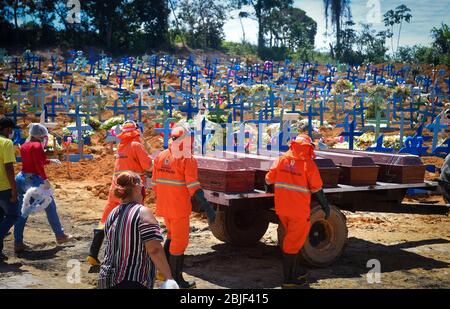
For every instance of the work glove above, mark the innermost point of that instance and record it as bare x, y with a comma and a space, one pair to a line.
199, 199
55, 161
268, 188
320, 195
170, 284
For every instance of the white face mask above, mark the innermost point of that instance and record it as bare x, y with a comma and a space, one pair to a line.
11, 136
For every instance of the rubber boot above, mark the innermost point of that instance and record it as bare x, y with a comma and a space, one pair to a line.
290, 273
97, 241
159, 276
176, 265
167, 247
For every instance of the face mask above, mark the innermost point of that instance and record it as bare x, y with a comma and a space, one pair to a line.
11, 136
44, 142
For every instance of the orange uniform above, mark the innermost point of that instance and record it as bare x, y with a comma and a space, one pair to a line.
131, 156
295, 177
175, 181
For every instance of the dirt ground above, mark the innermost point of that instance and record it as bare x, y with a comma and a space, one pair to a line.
414, 250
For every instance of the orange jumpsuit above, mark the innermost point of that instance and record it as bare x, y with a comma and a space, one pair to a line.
175, 181
131, 156
295, 176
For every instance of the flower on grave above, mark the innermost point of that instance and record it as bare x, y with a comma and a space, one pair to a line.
402, 92
342, 86
241, 90
379, 91
111, 122
364, 88
259, 88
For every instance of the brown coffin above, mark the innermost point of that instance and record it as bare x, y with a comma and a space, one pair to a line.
394, 168
225, 175
261, 164
355, 170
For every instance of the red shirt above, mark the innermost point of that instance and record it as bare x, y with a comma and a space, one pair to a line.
33, 159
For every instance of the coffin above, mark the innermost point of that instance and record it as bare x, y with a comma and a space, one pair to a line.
261, 164
356, 170
394, 168
225, 175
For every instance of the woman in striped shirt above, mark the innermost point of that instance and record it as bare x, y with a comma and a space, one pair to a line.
133, 241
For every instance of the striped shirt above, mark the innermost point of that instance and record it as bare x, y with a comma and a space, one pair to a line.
125, 255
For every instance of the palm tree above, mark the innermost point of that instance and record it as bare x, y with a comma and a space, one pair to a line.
403, 14
243, 15
338, 9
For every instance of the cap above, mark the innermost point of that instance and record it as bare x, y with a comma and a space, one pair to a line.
303, 139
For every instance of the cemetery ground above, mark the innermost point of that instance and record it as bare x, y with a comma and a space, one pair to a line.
413, 249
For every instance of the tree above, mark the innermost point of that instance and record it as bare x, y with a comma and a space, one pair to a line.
261, 9
392, 18
339, 10
441, 38
202, 22
241, 16
292, 28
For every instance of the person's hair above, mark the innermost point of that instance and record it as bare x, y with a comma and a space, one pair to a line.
124, 183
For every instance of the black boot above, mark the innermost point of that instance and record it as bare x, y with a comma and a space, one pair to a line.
176, 265
291, 279
167, 247
97, 241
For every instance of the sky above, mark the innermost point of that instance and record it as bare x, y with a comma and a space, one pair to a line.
426, 15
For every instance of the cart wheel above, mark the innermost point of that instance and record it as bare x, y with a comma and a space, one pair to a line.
239, 227
326, 240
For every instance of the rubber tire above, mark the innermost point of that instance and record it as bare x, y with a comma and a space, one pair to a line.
337, 233
228, 228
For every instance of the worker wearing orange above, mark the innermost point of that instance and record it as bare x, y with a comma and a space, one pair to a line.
131, 156
295, 177
176, 185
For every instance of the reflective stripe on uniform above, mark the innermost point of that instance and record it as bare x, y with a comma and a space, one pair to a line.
122, 171
171, 182
292, 187
193, 184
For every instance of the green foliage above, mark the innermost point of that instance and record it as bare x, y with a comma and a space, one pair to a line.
111, 122
202, 22
239, 49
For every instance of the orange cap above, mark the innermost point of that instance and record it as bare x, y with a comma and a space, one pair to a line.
303, 139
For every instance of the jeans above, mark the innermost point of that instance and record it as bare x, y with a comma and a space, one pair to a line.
9, 212
23, 183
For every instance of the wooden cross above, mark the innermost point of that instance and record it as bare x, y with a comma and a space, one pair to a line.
351, 134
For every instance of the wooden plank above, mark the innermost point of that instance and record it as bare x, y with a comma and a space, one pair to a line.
394, 168
355, 170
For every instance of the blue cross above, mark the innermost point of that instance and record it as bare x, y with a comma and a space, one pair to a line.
79, 128
322, 108
188, 109
310, 114
379, 146
351, 134
15, 114
345, 125
436, 127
